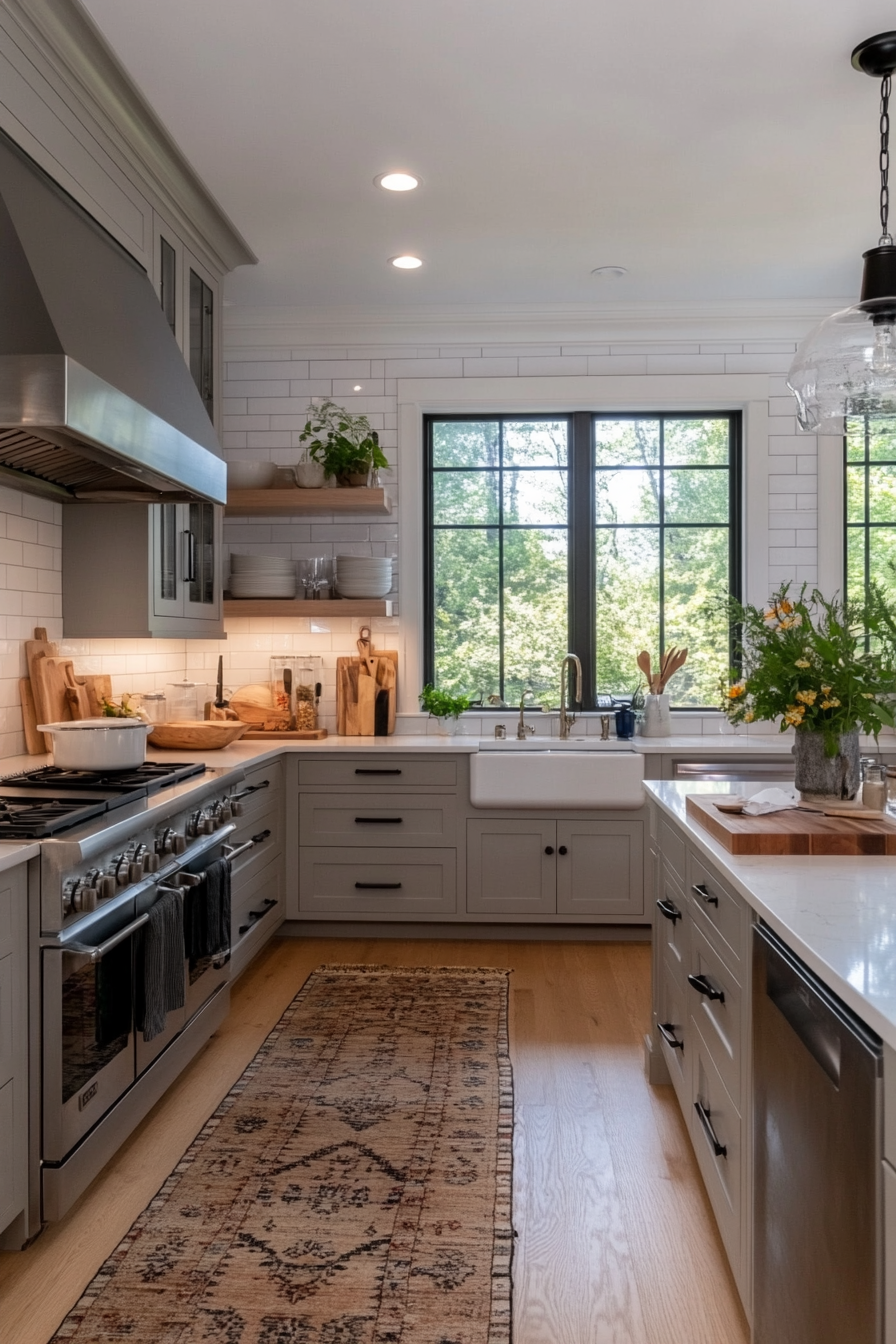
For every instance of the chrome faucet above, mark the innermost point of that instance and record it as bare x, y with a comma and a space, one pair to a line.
566, 719
523, 729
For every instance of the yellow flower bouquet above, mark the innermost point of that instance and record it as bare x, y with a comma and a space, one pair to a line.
823, 666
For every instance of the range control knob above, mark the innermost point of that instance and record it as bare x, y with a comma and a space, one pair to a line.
178, 843
86, 898
153, 863
236, 808
226, 813
107, 886
135, 870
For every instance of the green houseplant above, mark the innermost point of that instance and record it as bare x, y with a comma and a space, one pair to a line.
444, 707
344, 444
826, 668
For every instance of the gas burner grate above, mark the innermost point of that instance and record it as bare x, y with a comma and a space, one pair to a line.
136, 782
29, 818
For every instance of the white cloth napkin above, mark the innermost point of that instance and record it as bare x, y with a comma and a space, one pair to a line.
771, 800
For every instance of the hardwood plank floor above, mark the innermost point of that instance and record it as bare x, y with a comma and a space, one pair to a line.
616, 1241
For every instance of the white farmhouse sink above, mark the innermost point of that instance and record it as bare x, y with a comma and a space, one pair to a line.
556, 776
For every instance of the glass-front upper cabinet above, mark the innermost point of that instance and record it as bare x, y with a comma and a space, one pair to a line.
186, 551
202, 340
188, 293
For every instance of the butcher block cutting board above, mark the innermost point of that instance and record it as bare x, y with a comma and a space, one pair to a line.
793, 831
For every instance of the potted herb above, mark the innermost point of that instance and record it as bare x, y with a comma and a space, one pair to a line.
827, 669
345, 445
444, 708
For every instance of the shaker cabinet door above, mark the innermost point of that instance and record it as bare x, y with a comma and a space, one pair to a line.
511, 867
600, 868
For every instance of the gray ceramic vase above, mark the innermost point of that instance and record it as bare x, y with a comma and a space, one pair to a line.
821, 778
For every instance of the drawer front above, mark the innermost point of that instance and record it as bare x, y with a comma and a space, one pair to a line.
377, 881
360, 819
672, 1030
266, 798
7, 1038
262, 853
272, 771
671, 921
379, 772
11, 1165
255, 916
719, 1019
723, 1173
672, 847
723, 916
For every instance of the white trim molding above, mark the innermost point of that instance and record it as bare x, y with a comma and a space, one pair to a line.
695, 392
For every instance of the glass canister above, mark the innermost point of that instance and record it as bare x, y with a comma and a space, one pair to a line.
307, 683
874, 785
155, 706
283, 684
186, 701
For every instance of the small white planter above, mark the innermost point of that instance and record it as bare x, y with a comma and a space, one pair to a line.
657, 717
447, 726
99, 744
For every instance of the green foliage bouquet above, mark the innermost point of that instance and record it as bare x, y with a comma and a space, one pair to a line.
440, 704
817, 665
344, 444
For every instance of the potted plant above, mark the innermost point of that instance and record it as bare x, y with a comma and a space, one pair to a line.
827, 669
444, 708
345, 445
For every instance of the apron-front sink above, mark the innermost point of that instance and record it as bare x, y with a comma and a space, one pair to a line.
558, 775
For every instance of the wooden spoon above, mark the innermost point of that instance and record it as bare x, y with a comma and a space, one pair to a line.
643, 661
677, 661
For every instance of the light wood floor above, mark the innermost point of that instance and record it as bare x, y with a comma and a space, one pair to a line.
617, 1243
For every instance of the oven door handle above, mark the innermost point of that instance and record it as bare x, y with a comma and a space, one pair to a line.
97, 953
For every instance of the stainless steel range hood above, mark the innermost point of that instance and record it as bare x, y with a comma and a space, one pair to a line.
96, 400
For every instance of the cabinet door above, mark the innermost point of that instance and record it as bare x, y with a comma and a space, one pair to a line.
168, 276
511, 867
202, 550
600, 867
167, 560
201, 308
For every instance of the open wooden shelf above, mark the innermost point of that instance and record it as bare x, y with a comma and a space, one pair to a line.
271, 503
279, 606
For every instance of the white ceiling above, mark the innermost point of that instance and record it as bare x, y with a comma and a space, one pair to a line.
719, 149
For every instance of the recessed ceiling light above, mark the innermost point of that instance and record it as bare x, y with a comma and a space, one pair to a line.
405, 263
609, 272
357, 387
397, 181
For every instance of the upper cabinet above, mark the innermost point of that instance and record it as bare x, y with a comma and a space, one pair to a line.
189, 293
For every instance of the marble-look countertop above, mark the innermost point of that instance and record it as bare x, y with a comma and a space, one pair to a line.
837, 913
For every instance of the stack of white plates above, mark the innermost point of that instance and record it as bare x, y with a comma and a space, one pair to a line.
363, 575
262, 576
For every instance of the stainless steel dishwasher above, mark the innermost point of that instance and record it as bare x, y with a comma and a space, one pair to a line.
817, 1114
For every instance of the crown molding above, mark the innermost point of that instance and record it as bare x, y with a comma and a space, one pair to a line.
569, 324
67, 39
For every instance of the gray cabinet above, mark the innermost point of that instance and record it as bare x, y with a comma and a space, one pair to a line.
142, 570
257, 906
540, 867
13, 1058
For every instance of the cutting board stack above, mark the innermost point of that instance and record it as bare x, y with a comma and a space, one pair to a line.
52, 693
366, 689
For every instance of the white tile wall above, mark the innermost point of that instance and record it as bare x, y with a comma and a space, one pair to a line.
266, 394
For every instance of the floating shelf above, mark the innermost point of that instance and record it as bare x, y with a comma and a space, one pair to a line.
271, 503
279, 606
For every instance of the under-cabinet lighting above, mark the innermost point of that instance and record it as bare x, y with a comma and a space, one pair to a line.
405, 263
397, 181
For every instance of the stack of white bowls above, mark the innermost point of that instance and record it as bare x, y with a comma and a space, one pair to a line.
262, 576
363, 575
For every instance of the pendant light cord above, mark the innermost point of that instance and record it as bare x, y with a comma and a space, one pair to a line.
885, 236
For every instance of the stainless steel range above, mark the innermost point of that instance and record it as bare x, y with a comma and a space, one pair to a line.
115, 847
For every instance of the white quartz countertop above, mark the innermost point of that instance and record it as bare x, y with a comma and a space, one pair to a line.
837, 913
14, 852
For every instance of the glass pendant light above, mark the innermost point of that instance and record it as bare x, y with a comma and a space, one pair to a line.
847, 364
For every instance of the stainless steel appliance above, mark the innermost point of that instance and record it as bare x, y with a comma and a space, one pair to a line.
112, 844
817, 1159
775, 770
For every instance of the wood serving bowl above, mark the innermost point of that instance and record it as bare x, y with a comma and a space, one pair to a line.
201, 735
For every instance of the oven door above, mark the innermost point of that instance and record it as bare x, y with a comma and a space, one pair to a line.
88, 1029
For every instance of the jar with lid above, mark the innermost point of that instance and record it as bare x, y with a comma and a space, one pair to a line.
155, 706
874, 785
186, 701
307, 684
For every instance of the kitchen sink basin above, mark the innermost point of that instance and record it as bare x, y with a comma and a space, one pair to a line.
557, 775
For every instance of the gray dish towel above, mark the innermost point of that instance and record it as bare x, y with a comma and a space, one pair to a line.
163, 963
208, 913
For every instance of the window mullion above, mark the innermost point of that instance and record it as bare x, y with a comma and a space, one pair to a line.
581, 549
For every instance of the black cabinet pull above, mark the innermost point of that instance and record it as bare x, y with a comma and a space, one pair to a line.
706, 896
667, 1031
377, 886
668, 910
378, 821
377, 772
549, 849
256, 915
703, 1112
562, 850
260, 838
702, 986
253, 788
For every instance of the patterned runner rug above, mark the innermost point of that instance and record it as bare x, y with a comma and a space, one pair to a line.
354, 1187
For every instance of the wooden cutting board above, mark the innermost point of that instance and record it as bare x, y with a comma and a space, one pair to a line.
793, 831
50, 678
286, 735
35, 649
35, 742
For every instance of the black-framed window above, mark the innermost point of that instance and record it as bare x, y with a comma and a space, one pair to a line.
869, 505
601, 534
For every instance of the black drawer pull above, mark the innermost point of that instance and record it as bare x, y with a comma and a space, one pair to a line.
260, 837
562, 850
667, 1031
549, 849
378, 821
377, 772
706, 896
377, 886
253, 788
702, 986
256, 915
668, 910
703, 1112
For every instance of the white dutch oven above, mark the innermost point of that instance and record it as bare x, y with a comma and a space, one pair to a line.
98, 744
